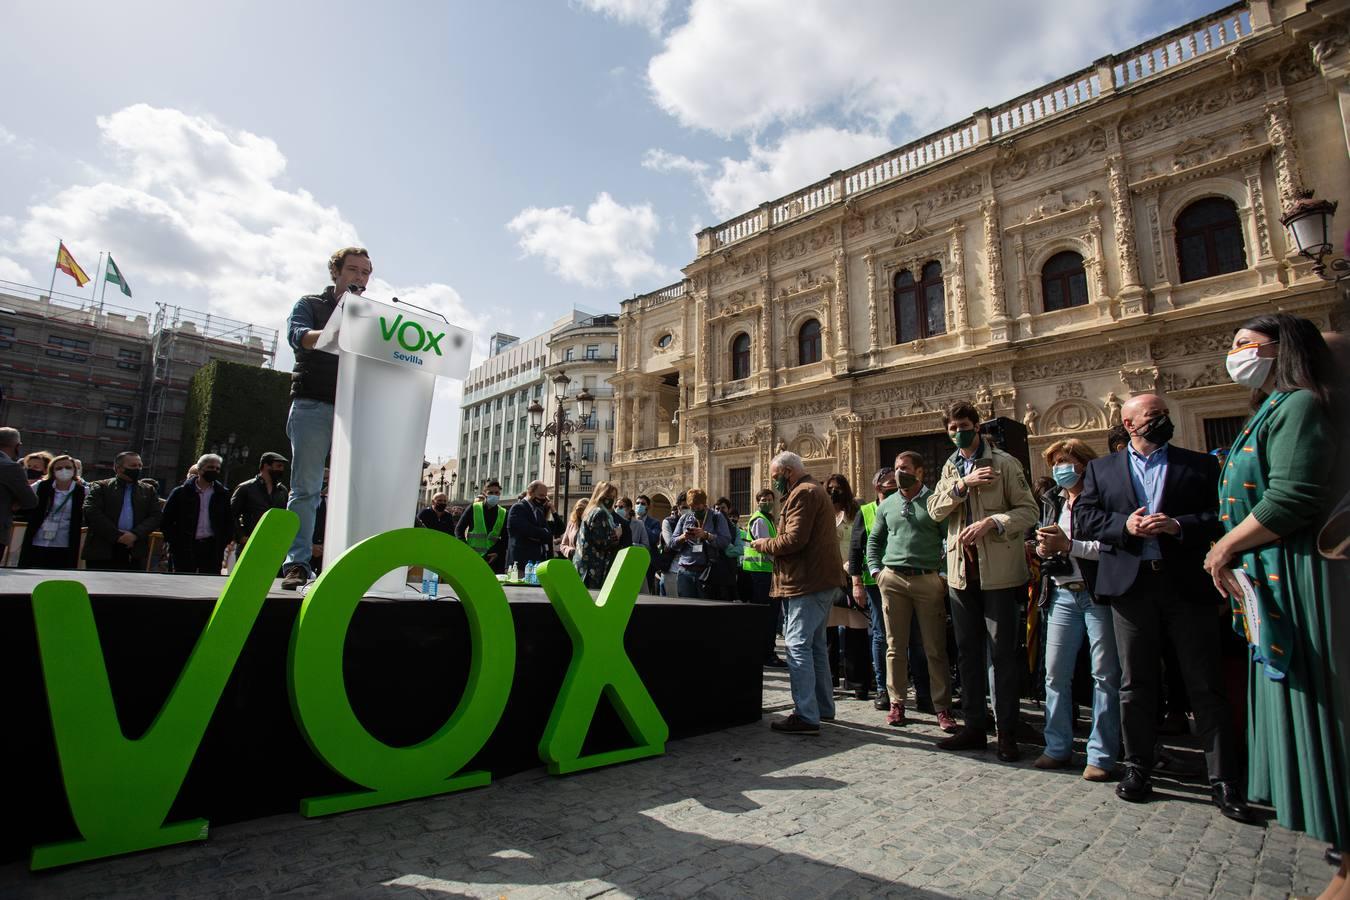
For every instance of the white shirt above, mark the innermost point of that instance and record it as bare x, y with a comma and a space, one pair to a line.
1077, 550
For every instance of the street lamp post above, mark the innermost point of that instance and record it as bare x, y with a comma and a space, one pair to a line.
1308, 221
558, 429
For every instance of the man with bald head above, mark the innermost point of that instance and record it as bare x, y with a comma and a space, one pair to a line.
1155, 509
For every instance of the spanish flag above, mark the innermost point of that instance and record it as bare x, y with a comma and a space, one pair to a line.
66, 263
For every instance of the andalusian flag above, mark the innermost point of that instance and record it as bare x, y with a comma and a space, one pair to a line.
66, 263
114, 276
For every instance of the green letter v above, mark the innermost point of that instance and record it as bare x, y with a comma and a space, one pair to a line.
388, 330
599, 663
120, 790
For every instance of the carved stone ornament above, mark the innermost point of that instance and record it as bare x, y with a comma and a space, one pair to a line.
1030, 418
1019, 164
1068, 389
984, 402
1139, 379
1166, 114
1073, 414
1112, 407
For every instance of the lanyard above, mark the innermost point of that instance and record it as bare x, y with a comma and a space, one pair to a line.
62, 505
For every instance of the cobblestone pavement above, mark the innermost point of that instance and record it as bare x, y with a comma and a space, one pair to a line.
862, 810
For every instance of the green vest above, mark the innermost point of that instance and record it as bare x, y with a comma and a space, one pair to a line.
869, 514
753, 560
479, 538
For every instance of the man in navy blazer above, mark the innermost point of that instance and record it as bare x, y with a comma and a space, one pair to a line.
1154, 508
529, 527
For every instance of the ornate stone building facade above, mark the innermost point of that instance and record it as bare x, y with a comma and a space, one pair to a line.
1098, 237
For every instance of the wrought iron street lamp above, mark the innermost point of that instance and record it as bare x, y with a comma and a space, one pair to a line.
1308, 221
559, 428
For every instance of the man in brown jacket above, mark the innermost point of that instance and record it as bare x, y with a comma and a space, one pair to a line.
808, 575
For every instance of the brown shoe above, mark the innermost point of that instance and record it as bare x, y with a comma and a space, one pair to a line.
1045, 761
1095, 773
293, 578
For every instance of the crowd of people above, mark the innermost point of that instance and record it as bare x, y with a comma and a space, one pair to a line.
1154, 558
111, 523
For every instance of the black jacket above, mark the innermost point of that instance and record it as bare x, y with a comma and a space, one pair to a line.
531, 531
179, 522
248, 503
46, 496
103, 507
1190, 495
314, 375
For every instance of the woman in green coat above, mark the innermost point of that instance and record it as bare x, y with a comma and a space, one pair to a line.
1274, 491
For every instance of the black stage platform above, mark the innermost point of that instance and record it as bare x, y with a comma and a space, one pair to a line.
405, 666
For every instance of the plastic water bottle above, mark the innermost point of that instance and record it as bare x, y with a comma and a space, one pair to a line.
431, 583
529, 574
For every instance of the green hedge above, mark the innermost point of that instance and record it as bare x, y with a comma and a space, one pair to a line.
231, 398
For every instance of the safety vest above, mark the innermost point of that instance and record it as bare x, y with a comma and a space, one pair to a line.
753, 560
869, 514
480, 539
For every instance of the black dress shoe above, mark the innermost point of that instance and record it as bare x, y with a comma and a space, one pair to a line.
965, 739
1333, 857
883, 702
1135, 786
1007, 749
1230, 802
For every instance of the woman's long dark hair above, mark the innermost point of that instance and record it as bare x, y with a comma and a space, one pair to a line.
849, 504
1304, 361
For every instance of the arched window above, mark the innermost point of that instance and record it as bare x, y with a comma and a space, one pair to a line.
920, 307
1209, 239
740, 357
808, 343
1063, 281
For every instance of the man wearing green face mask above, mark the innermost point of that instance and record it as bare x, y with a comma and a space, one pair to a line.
987, 505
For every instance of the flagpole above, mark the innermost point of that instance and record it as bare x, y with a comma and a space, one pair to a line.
98, 295
59, 243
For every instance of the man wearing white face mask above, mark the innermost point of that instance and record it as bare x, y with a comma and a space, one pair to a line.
52, 540
483, 527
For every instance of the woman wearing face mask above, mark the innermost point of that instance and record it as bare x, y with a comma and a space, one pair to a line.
568, 545
1274, 491
1072, 615
852, 616
599, 536
52, 540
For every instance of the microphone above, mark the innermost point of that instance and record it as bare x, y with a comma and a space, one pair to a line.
357, 289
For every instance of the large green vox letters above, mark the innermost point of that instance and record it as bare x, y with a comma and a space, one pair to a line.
120, 789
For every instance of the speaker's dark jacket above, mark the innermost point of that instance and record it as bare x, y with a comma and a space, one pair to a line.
1190, 495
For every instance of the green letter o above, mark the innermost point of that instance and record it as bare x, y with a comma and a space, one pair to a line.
318, 694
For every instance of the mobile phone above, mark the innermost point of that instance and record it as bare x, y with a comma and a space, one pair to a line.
984, 463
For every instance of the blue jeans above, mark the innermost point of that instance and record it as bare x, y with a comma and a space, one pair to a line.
687, 585
1072, 616
808, 655
878, 637
310, 428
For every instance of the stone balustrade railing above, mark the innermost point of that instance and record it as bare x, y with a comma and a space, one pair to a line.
1218, 31
660, 296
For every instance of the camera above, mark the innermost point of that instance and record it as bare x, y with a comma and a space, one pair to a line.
1058, 564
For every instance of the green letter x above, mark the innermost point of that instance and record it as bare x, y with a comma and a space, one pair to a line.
599, 663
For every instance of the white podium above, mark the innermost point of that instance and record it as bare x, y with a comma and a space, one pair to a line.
391, 355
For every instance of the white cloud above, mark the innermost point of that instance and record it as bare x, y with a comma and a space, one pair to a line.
12, 271
650, 14
196, 213
739, 66
611, 245
799, 158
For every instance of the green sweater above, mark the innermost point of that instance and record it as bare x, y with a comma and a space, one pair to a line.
905, 538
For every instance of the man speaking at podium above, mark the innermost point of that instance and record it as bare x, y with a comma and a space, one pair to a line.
313, 393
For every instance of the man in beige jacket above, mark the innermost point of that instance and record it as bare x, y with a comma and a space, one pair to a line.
808, 575
984, 498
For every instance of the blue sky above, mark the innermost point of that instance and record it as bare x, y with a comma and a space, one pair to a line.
503, 161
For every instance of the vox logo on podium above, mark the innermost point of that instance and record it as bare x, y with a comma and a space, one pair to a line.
411, 336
